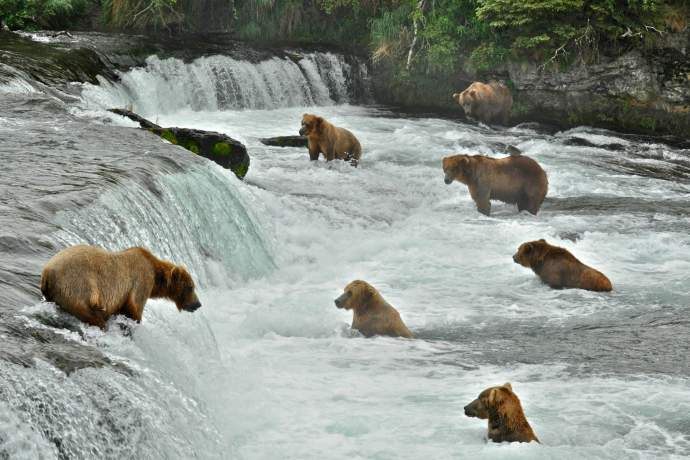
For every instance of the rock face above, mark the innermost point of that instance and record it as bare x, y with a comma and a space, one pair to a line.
286, 141
648, 94
217, 147
641, 92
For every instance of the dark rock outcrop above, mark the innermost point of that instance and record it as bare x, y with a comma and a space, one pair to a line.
634, 92
217, 147
286, 141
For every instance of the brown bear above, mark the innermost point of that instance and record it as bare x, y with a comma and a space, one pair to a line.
507, 421
93, 284
329, 140
372, 315
558, 268
486, 102
513, 179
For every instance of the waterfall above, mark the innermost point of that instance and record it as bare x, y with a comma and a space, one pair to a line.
197, 218
213, 83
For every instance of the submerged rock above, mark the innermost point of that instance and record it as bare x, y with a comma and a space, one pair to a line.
286, 141
217, 147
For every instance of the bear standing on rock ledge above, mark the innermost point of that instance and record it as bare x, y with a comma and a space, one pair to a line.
487, 103
93, 284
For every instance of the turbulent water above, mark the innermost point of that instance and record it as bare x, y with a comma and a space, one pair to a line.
268, 368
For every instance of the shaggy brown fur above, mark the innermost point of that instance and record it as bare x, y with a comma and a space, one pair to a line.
329, 140
514, 179
93, 284
507, 421
372, 315
486, 102
558, 268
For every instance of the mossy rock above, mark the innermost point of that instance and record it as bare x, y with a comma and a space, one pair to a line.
222, 149
217, 147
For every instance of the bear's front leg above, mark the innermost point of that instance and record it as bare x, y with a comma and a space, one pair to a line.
314, 152
330, 151
481, 196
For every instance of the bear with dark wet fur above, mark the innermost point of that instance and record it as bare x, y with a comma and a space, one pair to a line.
502, 408
93, 284
371, 314
515, 179
486, 102
558, 268
329, 140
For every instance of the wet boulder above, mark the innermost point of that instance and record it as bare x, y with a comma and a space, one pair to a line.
286, 141
217, 147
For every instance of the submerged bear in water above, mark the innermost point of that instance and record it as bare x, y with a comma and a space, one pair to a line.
513, 179
371, 314
93, 284
331, 141
502, 408
558, 268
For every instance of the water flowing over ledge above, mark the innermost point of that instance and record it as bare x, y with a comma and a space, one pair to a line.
214, 83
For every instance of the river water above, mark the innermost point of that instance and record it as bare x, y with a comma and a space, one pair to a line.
268, 368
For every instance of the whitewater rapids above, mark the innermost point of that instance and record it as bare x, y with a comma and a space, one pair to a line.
269, 369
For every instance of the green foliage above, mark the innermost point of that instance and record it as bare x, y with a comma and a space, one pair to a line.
538, 29
50, 14
142, 14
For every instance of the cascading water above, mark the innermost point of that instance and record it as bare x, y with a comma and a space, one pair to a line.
216, 83
268, 367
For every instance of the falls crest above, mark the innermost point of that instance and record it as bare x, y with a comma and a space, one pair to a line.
214, 83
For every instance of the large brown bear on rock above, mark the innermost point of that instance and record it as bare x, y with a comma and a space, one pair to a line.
514, 179
487, 103
93, 284
507, 421
329, 140
558, 268
372, 315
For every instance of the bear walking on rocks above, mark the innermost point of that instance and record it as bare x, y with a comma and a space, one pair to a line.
93, 284
513, 179
372, 315
558, 268
507, 421
486, 102
329, 140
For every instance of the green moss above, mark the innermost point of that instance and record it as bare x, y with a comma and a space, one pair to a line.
241, 169
222, 149
192, 146
169, 136
648, 123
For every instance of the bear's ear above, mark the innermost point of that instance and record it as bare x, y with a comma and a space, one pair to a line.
542, 240
175, 275
508, 386
472, 93
528, 248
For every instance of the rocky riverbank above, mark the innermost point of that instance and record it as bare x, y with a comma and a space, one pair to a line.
640, 92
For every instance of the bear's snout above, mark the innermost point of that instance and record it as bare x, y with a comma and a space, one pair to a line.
302, 131
448, 179
515, 258
341, 301
194, 306
468, 410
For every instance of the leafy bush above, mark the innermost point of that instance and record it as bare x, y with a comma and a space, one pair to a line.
49, 14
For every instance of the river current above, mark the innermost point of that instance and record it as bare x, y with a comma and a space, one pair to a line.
268, 368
